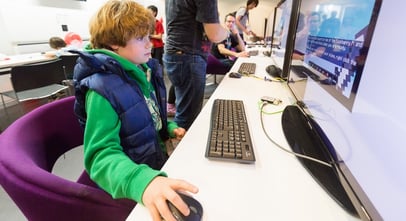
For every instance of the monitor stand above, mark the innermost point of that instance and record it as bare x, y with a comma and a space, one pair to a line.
306, 137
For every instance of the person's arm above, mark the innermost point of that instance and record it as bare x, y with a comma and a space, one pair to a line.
105, 160
116, 173
241, 44
239, 25
156, 36
215, 32
158, 33
224, 51
239, 15
175, 131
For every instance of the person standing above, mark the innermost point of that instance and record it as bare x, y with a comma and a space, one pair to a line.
191, 26
157, 52
121, 104
242, 18
156, 37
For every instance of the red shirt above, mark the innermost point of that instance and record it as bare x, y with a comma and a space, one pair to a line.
159, 29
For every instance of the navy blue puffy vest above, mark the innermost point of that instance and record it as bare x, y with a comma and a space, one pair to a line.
105, 75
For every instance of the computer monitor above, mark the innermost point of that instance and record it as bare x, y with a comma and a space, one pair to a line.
354, 102
283, 27
273, 18
332, 44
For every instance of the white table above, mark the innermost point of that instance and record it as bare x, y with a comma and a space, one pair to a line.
276, 187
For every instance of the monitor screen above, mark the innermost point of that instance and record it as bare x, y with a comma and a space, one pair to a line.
353, 93
331, 45
283, 27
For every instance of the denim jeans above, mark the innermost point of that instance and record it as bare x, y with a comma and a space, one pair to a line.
188, 75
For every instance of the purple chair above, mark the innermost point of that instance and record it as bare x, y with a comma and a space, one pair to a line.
215, 67
29, 149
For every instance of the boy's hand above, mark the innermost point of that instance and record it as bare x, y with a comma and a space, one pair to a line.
162, 189
179, 133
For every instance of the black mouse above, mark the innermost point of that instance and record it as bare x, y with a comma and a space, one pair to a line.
273, 71
234, 75
196, 209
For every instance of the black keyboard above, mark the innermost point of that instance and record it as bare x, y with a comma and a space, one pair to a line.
253, 53
229, 137
303, 72
247, 68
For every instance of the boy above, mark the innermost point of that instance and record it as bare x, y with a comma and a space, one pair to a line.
121, 103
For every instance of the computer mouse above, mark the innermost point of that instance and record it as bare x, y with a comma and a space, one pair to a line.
196, 209
273, 71
234, 75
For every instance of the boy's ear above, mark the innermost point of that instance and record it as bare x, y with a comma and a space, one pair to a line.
114, 47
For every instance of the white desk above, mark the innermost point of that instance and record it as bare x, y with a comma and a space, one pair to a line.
11, 61
276, 187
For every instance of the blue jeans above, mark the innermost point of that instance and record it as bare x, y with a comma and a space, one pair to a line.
227, 62
188, 75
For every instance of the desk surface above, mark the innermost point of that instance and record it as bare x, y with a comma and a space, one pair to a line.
276, 187
15, 60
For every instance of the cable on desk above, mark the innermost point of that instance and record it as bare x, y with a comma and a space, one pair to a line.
263, 104
260, 103
267, 78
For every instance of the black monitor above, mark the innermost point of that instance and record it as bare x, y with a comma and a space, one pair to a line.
284, 23
273, 18
336, 118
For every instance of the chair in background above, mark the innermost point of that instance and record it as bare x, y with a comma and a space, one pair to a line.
214, 67
68, 65
35, 81
29, 149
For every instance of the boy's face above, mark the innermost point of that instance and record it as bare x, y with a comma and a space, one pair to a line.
137, 50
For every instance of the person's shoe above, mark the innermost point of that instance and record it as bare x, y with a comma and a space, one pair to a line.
171, 109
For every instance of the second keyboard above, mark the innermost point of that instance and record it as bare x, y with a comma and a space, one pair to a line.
229, 137
247, 68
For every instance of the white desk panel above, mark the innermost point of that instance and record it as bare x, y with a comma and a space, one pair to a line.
23, 59
276, 187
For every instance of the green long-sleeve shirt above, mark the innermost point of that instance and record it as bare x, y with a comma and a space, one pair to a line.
104, 158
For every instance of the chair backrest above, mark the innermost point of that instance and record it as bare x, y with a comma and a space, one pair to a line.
214, 66
29, 149
69, 62
30, 76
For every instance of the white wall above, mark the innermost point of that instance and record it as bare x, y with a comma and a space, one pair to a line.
257, 15
27, 21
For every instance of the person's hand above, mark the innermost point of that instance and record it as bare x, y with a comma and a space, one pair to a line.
162, 189
252, 33
50, 54
243, 54
179, 133
234, 30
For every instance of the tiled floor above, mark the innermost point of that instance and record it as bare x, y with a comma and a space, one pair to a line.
68, 166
